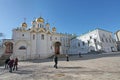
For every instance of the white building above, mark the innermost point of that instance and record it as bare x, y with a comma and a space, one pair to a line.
36, 42
117, 37
95, 40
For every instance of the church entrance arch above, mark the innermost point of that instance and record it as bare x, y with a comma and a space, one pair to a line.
57, 47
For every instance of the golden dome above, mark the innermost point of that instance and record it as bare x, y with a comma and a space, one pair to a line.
24, 24
53, 29
47, 24
40, 19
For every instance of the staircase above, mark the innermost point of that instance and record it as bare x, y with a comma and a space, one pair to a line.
3, 58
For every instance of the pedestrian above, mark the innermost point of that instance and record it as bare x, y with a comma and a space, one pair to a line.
80, 54
56, 61
6, 63
15, 65
11, 65
67, 57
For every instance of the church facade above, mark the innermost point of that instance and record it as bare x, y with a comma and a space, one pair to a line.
36, 42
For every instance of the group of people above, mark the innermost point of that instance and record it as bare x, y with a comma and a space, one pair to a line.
12, 64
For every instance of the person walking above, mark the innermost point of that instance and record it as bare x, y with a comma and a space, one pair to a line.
80, 54
15, 66
56, 61
6, 63
11, 65
67, 57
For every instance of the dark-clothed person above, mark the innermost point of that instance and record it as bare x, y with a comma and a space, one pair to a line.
56, 61
67, 57
6, 63
15, 66
11, 65
80, 54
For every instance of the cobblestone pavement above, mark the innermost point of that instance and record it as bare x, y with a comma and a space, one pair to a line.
89, 67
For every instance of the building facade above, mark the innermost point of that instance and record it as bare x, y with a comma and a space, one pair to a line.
117, 37
36, 42
95, 40
41, 41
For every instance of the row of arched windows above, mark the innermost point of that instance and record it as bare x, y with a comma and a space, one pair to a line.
42, 37
39, 25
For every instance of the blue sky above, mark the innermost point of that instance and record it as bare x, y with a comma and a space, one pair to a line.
68, 16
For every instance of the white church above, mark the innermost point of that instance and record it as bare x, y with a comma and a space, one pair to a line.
36, 42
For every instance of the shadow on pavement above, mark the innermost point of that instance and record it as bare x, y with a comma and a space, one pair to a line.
71, 67
23, 72
76, 57
95, 56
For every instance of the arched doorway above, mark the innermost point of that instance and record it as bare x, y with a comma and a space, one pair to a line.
9, 47
57, 47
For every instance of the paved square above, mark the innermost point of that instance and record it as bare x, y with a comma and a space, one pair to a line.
89, 67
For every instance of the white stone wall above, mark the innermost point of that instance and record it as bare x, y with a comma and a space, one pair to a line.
88, 37
21, 53
33, 44
76, 46
49, 46
65, 43
117, 35
93, 41
35, 48
108, 41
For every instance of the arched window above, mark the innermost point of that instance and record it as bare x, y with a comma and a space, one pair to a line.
22, 34
90, 37
22, 47
51, 38
33, 37
102, 40
88, 42
55, 38
95, 40
83, 43
42, 37
51, 47
40, 25
106, 40
110, 40
78, 44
